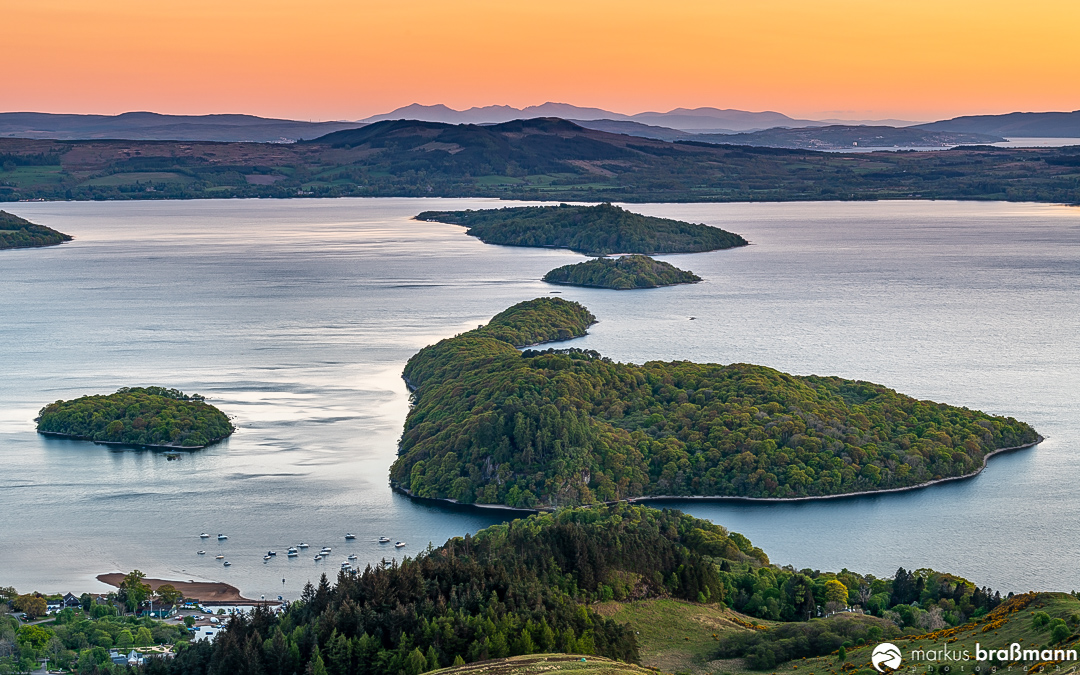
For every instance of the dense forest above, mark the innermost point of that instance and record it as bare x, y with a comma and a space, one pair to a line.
621, 273
592, 230
150, 416
494, 425
16, 232
529, 586
541, 159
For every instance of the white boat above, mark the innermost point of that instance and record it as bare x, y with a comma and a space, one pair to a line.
346, 565
302, 546
204, 536
399, 544
266, 557
202, 552
384, 540
292, 549
349, 535
222, 537
219, 557
325, 550
352, 556
318, 558
271, 553
226, 563
292, 554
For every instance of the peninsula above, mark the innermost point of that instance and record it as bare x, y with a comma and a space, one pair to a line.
621, 273
592, 230
152, 417
16, 232
538, 429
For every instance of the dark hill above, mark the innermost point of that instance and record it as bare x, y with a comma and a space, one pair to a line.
537, 145
1018, 124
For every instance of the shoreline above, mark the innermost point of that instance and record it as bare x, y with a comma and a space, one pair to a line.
206, 592
142, 446
609, 288
446, 502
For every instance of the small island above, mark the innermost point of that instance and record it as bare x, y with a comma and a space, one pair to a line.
149, 417
592, 230
621, 273
16, 232
557, 427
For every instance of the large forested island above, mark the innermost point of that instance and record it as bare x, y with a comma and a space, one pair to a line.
142, 416
16, 232
495, 425
621, 273
592, 230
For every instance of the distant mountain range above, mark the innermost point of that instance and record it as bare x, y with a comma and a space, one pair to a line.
148, 126
710, 125
690, 120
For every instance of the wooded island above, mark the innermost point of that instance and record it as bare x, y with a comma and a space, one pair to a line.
16, 232
495, 425
143, 416
621, 273
592, 230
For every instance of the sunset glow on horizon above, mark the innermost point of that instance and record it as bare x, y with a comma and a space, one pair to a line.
333, 59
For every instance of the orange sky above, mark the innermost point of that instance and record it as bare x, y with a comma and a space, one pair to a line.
340, 59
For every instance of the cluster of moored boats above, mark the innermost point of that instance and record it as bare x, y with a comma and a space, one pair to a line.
294, 551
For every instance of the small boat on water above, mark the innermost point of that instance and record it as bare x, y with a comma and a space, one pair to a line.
350, 535
352, 556
318, 558
399, 544
227, 563
204, 536
384, 540
219, 557
345, 565
292, 549
222, 537
325, 550
271, 553
292, 553
265, 558
202, 552
302, 545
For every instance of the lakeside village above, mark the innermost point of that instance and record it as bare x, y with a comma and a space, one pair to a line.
99, 633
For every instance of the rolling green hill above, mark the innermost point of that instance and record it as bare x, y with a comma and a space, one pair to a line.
16, 232
143, 416
550, 428
592, 589
622, 273
592, 230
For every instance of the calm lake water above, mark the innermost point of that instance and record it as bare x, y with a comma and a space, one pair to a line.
296, 318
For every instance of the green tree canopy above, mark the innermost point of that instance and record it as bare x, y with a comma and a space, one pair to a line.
148, 416
492, 424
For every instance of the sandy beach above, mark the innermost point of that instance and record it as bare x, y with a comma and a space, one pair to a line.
203, 591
